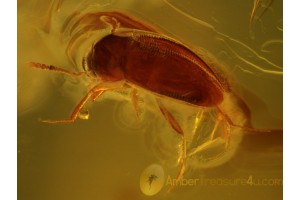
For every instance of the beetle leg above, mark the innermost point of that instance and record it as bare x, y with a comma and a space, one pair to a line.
203, 146
168, 116
55, 69
134, 98
225, 134
78, 107
198, 119
94, 93
246, 127
212, 139
212, 136
225, 129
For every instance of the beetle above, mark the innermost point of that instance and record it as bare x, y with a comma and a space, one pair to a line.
138, 56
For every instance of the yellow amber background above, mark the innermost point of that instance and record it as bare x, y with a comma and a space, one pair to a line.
104, 157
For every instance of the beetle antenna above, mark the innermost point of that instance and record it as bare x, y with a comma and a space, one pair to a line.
55, 69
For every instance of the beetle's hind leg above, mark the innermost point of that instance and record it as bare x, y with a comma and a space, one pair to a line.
55, 69
175, 125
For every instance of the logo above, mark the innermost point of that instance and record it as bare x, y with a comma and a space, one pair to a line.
152, 179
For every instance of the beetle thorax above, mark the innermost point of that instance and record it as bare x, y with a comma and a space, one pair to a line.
106, 59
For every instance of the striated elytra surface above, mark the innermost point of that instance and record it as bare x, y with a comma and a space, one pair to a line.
158, 64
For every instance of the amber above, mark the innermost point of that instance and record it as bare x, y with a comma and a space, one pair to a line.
135, 55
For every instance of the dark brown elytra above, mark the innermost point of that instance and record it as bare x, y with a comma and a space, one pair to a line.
157, 64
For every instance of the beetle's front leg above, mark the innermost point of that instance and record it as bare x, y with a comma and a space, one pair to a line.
94, 93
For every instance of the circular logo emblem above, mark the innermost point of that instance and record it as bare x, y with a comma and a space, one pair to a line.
152, 179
